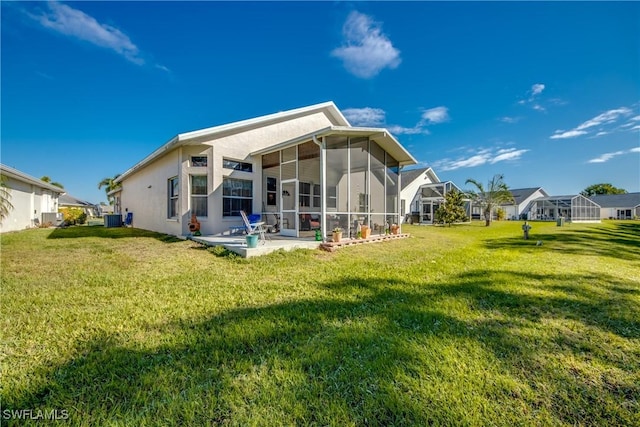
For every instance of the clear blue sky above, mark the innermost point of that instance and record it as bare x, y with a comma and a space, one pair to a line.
546, 93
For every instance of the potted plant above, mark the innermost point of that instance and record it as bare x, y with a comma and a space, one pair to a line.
366, 231
395, 228
337, 234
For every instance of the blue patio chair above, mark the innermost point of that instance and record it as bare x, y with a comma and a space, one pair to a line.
254, 227
128, 221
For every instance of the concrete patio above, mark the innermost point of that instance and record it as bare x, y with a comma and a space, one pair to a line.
274, 242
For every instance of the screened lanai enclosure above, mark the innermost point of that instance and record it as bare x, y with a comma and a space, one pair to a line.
432, 196
344, 179
572, 208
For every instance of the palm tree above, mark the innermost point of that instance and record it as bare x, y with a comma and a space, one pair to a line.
110, 185
48, 181
5, 195
496, 193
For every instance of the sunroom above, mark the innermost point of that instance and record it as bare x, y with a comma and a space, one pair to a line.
572, 208
340, 177
432, 196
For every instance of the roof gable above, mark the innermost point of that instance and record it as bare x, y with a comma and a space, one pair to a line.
328, 108
408, 176
522, 194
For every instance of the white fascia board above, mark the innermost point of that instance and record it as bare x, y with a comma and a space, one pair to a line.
236, 127
381, 135
329, 107
21, 176
173, 143
431, 172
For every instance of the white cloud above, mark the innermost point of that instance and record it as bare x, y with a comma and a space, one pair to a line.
635, 119
507, 119
606, 117
376, 117
435, 115
479, 158
537, 89
635, 127
366, 50
606, 157
532, 97
508, 154
400, 130
568, 134
365, 116
598, 121
75, 23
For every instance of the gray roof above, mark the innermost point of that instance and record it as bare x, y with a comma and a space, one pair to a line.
629, 200
521, 194
410, 175
67, 200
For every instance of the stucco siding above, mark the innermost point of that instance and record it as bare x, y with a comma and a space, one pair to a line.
149, 204
29, 202
410, 194
145, 194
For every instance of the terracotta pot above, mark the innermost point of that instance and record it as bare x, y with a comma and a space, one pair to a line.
337, 236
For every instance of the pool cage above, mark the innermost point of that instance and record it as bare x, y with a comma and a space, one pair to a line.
572, 208
432, 196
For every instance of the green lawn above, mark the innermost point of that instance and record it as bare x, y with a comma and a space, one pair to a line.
454, 326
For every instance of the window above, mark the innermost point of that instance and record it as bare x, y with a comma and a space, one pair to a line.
172, 200
304, 197
332, 198
272, 191
199, 195
237, 195
316, 196
238, 166
198, 161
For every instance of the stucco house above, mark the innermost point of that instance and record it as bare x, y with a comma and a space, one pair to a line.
34, 201
618, 206
412, 179
523, 198
300, 169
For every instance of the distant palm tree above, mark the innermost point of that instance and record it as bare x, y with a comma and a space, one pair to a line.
109, 185
494, 195
5, 195
48, 181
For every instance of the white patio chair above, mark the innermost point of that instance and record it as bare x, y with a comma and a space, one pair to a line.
254, 227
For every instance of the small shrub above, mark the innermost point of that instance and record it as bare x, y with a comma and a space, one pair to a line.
73, 216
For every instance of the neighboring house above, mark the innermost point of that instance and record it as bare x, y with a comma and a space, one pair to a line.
618, 206
431, 196
523, 198
105, 209
307, 165
411, 180
67, 201
34, 201
575, 208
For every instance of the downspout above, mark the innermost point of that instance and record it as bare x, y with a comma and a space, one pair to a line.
323, 185
399, 198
